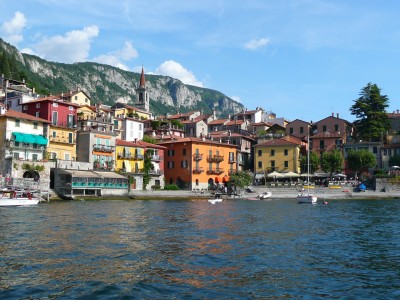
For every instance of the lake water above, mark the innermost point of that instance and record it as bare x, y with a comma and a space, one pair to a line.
194, 249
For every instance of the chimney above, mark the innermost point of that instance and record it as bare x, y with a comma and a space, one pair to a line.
333, 114
337, 115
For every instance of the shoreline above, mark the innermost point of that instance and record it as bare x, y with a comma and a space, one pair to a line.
277, 193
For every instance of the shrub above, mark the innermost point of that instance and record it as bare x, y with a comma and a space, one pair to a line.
171, 187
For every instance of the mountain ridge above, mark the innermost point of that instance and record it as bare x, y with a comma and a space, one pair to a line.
109, 85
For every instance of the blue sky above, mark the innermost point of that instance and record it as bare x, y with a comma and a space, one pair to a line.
301, 59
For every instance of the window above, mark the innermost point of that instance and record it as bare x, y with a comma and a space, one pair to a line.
37, 114
272, 152
260, 165
67, 156
286, 152
273, 165
76, 97
197, 182
322, 144
70, 137
17, 123
37, 105
259, 152
286, 164
55, 104
301, 129
70, 108
324, 128
16, 154
54, 134
171, 152
184, 164
171, 164
86, 100
55, 118
291, 130
25, 107
336, 127
184, 151
140, 126
375, 150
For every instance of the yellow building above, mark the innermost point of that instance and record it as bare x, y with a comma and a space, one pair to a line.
122, 110
277, 155
77, 97
129, 159
62, 143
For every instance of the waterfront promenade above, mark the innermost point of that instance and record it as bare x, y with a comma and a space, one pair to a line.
277, 193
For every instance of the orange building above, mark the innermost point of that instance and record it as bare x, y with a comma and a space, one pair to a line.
195, 163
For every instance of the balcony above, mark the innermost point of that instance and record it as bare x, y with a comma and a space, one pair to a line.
156, 172
103, 148
125, 155
197, 156
107, 166
198, 170
216, 171
156, 158
138, 157
215, 158
64, 140
70, 125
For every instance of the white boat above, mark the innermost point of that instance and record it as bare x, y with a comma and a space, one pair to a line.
307, 197
265, 195
17, 198
216, 200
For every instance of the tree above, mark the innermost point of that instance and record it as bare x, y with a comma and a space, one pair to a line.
147, 167
241, 179
149, 139
369, 109
332, 161
314, 162
359, 160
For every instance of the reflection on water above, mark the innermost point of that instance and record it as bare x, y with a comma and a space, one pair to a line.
236, 249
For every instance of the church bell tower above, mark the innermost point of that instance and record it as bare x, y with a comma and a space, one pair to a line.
142, 96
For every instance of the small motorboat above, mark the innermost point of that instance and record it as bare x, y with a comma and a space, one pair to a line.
265, 195
216, 200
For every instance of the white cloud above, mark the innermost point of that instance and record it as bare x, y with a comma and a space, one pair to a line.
12, 30
254, 44
176, 70
117, 58
74, 46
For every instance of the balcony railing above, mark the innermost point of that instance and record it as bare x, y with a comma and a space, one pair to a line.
198, 170
103, 148
156, 158
64, 140
216, 171
125, 155
215, 158
109, 165
197, 156
139, 157
156, 172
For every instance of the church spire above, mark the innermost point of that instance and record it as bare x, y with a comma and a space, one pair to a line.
142, 82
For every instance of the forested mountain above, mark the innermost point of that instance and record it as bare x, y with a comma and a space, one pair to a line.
108, 85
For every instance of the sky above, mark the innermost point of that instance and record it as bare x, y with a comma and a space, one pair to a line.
301, 59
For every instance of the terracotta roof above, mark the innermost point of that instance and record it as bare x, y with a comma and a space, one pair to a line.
141, 144
248, 112
19, 115
196, 140
217, 122
262, 124
235, 122
277, 142
142, 82
292, 139
393, 115
298, 120
52, 99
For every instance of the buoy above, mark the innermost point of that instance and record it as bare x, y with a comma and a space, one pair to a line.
325, 202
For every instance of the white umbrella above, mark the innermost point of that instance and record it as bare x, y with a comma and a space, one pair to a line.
339, 175
306, 175
395, 167
291, 174
275, 174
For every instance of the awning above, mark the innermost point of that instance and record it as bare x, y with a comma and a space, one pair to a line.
30, 138
19, 137
41, 140
110, 175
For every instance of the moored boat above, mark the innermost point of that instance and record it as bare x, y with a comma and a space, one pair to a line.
11, 197
264, 195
